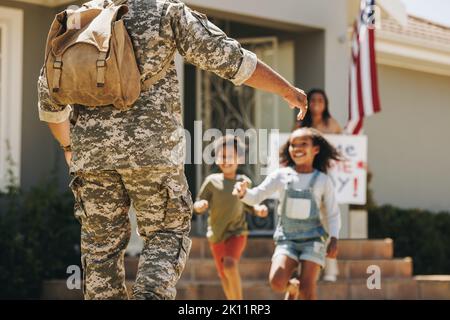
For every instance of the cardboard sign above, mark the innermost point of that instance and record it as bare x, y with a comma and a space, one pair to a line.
349, 176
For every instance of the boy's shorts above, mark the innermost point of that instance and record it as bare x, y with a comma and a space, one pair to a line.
232, 247
313, 250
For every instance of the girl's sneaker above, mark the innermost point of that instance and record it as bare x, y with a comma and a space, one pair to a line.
293, 290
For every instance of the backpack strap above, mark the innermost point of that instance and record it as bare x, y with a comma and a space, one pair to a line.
147, 83
57, 65
101, 65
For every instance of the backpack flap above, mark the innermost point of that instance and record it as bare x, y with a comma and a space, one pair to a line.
82, 67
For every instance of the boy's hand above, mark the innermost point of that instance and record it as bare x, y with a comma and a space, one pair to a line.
240, 189
261, 210
201, 206
332, 249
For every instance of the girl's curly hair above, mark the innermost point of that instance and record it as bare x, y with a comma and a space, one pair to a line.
322, 160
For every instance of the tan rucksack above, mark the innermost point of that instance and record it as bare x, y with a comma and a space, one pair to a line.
90, 59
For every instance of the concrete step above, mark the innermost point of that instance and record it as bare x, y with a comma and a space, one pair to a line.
258, 268
391, 289
434, 286
56, 289
264, 247
419, 287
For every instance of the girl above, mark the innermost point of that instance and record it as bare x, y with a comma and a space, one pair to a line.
308, 201
227, 227
318, 116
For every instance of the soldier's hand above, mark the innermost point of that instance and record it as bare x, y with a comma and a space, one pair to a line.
201, 206
261, 210
296, 98
240, 189
68, 157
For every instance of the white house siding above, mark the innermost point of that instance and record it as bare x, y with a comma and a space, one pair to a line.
409, 141
38, 149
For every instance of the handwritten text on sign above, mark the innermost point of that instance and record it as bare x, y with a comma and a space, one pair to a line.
350, 175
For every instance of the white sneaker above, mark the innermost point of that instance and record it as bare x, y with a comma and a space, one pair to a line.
330, 278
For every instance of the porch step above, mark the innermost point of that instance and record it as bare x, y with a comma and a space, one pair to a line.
391, 289
258, 268
264, 247
419, 287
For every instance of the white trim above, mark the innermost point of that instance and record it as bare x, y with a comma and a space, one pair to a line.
47, 3
11, 95
398, 51
396, 9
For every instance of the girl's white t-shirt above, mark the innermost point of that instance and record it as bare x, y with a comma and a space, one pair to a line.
324, 194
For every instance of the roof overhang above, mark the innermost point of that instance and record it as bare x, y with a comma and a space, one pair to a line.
401, 51
395, 50
47, 3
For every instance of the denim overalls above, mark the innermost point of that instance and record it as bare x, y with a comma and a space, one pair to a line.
299, 214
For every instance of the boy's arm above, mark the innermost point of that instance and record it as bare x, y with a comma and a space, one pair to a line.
203, 198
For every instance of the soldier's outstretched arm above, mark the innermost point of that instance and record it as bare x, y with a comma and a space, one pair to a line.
265, 78
206, 46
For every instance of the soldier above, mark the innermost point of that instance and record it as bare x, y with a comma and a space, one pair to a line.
135, 156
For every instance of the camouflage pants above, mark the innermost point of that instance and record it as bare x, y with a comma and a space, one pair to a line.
163, 206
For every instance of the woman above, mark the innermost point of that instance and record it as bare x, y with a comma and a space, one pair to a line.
318, 116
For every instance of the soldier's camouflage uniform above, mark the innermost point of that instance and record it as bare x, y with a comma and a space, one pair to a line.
135, 157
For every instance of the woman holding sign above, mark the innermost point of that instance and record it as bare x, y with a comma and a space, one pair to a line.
318, 115
308, 204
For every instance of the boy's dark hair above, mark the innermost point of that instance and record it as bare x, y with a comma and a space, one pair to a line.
307, 121
322, 160
228, 141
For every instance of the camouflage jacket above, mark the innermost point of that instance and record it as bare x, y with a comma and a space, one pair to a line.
151, 132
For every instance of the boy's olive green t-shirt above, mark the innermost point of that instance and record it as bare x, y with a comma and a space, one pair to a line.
226, 211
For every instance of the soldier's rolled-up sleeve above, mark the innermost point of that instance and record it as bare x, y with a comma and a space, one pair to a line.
206, 46
48, 110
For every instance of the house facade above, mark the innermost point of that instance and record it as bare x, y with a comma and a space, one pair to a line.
308, 43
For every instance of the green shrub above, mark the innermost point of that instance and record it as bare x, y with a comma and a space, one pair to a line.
39, 239
420, 234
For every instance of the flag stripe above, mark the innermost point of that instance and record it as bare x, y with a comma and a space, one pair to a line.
373, 72
358, 90
366, 82
363, 80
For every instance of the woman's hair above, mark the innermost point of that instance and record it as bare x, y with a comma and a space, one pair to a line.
322, 160
307, 121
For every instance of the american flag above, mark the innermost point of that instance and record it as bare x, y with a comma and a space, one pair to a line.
363, 82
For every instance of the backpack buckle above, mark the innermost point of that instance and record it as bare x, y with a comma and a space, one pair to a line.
57, 65
101, 63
